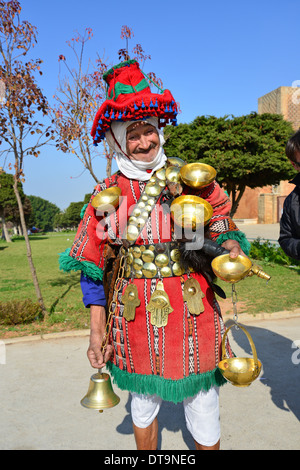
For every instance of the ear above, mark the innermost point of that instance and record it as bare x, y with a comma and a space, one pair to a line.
295, 166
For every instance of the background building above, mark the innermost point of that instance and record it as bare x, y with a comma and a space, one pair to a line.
264, 205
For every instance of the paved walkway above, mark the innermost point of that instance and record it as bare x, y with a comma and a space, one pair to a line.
264, 231
43, 381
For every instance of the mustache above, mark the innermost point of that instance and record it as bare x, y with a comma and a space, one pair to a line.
151, 146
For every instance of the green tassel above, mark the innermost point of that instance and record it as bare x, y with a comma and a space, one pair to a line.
67, 263
239, 237
170, 390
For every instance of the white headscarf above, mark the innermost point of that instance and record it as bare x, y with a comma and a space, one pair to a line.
134, 169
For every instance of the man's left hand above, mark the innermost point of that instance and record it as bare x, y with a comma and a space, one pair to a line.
234, 248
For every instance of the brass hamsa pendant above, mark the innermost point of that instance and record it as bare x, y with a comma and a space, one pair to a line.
193, 295
159, 306
130, 300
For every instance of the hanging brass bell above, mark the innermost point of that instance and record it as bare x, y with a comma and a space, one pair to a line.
240, 371
100, 393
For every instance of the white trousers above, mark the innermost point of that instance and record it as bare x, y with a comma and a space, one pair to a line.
202, 414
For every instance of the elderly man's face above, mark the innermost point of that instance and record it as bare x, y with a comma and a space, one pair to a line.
142, 142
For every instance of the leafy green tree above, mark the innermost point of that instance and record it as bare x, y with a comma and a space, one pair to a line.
245, 151
72, 214
43, 213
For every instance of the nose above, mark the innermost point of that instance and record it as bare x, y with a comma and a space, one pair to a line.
144, 143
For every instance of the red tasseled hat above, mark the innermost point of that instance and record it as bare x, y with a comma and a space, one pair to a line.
129, 97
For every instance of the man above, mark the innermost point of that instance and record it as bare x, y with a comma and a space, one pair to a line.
289, 238
166, 326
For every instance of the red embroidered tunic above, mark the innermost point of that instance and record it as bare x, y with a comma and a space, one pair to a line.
177, 360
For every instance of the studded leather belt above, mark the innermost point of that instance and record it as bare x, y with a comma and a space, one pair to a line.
153, 261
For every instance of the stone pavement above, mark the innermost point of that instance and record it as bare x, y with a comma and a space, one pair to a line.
43, 380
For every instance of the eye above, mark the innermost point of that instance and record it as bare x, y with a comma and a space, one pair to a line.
132, 137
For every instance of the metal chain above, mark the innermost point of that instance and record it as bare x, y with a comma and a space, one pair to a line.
234, 302
113, 304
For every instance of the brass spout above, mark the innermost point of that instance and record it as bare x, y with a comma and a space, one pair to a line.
259, 272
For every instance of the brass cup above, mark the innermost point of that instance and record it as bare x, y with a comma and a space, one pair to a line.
240, 371
191, 211
231, 269
197, 175
107, 200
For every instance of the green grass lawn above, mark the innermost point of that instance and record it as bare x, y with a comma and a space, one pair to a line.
61, 291
63, 298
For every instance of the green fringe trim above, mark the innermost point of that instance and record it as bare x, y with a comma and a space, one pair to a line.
83, 210
67, 263
239, 237
169, 390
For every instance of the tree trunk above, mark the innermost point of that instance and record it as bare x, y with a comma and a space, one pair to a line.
108, 166
5, 234
29, 253
236, 195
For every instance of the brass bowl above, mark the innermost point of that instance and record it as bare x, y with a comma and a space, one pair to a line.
107, 200
231, 269
239, 371
197, 175
191, 211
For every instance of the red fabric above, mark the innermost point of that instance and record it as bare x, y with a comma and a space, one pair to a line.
139, 347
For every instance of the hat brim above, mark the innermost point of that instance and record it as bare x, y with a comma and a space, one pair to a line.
135, 107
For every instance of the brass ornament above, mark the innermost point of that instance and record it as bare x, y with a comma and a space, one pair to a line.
175, 161
145, 205
191, 212
153, 189
131, 300
159, 306
193, 295
131, 233
166, 271
149, 270
178, 270
173, 174
197, 175
107, 200
161, 260
148, 256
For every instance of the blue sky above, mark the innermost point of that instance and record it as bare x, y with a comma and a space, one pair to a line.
217, 58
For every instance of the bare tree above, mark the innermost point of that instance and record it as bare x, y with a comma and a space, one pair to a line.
81, 93
24, 107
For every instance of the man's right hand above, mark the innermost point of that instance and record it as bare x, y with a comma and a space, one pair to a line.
94, 353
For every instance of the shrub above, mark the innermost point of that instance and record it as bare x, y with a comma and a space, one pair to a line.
16, 312
271, 253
